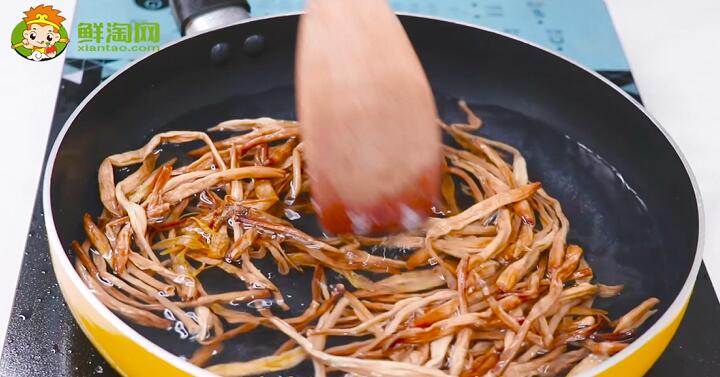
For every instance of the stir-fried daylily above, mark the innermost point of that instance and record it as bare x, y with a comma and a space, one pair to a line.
488, 290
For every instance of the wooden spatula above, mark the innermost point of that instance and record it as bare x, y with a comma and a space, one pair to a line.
368, 118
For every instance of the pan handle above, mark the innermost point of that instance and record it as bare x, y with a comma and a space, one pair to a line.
197, 16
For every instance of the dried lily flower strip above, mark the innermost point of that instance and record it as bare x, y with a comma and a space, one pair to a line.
492, 289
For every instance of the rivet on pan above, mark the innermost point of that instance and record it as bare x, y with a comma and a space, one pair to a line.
220, 52
254, 45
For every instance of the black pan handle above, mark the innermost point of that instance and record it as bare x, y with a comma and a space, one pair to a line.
196, 16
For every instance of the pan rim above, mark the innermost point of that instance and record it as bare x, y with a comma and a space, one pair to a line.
670, 314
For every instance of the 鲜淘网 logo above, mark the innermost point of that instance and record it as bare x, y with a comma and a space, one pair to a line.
40, 35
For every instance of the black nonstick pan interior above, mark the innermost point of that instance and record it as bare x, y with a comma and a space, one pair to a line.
624, 189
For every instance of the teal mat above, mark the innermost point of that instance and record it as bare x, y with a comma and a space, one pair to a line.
579, 29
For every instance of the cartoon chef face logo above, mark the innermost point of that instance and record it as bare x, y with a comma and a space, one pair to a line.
40, 36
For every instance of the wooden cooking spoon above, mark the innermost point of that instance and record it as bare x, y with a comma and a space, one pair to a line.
368, 117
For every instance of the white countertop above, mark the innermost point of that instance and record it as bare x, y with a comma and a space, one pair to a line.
671, 47
27, 101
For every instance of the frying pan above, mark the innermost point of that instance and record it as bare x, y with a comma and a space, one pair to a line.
632, 201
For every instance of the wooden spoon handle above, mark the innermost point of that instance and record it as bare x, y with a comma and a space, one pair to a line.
368, 118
